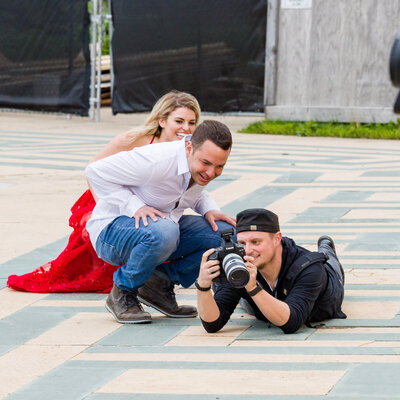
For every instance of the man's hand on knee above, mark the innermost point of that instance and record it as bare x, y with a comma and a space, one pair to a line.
215, 215
144, 212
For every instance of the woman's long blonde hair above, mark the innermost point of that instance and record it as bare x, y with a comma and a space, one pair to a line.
162, 109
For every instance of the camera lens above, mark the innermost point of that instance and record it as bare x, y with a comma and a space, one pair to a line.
235, 270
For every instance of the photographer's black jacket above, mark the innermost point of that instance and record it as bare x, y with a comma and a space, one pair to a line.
315, 294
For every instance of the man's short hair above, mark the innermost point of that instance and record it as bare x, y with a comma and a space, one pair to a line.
257, 219
215, 131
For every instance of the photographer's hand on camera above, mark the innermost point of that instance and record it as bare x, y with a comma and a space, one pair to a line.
252, 284
209, 269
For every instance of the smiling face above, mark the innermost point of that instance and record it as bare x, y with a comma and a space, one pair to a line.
182, 121
263, 246
207, 162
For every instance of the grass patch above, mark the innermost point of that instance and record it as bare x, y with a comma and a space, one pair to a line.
390, 130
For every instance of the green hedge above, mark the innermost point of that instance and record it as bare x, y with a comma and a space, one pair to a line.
389, 130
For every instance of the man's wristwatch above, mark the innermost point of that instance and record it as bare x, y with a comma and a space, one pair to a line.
257, 289
202, 289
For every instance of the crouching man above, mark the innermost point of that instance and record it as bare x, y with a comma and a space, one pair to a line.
138, 223
288, 285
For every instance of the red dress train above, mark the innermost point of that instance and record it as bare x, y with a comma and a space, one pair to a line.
77, 268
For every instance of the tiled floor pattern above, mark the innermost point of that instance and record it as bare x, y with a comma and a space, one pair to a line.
67, 346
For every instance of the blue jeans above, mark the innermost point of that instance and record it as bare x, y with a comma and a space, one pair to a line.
141, 251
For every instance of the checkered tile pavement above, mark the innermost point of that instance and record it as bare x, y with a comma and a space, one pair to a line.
67, 346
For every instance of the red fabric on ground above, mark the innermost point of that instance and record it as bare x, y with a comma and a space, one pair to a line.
77, 268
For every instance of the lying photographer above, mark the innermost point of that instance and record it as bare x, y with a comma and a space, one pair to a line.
287, 285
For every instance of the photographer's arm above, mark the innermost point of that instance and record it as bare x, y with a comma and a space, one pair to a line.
214, 311
276, 311
206, 305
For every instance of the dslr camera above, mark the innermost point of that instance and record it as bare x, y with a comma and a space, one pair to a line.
230, 256
394, 69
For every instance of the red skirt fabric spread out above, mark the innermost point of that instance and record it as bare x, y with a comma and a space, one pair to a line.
77, 268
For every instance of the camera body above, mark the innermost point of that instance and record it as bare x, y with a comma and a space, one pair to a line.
230, 256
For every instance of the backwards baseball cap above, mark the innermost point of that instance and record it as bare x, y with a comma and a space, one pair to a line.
257, 219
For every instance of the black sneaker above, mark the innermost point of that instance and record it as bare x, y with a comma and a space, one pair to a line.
158, 292
327, 241
125, 307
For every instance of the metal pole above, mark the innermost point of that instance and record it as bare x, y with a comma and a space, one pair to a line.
99, 54
271, 54
93, 19
110, 35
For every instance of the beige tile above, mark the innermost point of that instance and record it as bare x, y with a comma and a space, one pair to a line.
373, 276
377, 343
313, 246
246, 184
314, 237
347, 205
200, 341
179, 290
299, 343
226, 331
385, 196
69, 303
197, 336
224, 382
48, 197
373, 293
343, 227
365, 213
387, 162
374, 258
371, 309
341, 330
26, 363
11, 300
340, 175
243, 316
296, 202
238, 358
68, 161
81, 329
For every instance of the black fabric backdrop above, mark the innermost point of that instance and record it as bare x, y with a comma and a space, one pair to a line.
44, 55
214, 49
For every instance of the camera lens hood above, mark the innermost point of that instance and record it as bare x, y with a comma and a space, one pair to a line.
235, 270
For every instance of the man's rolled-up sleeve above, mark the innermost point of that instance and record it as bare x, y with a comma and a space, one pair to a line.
110, 176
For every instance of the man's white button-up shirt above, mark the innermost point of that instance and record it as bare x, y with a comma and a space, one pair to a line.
155, 175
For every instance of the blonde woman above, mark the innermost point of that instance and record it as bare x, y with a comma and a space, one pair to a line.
77, 268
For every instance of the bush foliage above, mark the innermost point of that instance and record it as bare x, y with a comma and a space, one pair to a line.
390, 130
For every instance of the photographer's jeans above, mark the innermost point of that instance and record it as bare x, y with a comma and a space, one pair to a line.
140, 251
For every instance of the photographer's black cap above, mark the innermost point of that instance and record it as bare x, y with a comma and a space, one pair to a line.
257, 219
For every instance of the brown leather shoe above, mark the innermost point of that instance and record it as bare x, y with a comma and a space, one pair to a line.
125, 307
158, 292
